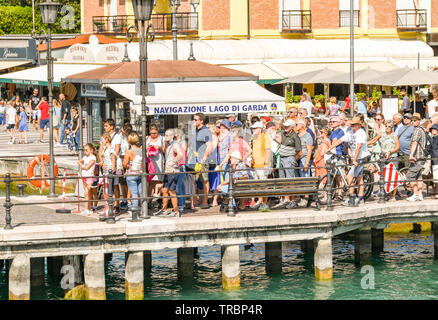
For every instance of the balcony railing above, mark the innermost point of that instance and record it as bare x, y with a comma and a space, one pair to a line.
297, 21
187, 23
344, 18
412, 20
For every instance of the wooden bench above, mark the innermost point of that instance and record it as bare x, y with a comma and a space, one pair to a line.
277, 187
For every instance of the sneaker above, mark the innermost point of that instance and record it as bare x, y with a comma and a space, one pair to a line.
281, 205
256, 206
57, 144
292, 205
420, 198
414, 197
162, 212
359, 202
264, 207
87, 212
347, 203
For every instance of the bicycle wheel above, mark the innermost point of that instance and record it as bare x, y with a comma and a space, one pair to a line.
402, 176
322, 190
368, 180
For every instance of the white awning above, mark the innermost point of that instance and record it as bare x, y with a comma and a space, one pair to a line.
38, 76
206, 97
10, 64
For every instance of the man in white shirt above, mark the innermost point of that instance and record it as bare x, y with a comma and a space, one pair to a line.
432, 106
359, 153
306, 104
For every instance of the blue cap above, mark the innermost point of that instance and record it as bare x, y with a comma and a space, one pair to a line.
237, 123
226, 123
435, 126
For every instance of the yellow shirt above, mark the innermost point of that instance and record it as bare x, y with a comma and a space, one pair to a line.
259, 151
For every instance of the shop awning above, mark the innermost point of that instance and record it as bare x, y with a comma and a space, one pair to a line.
10, 64
206, 97
38, 76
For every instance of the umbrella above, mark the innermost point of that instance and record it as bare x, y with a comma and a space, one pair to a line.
316, 76
405, 77
360, 76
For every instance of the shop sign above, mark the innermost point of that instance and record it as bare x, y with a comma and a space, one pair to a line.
18, 50
92, 90
219, 108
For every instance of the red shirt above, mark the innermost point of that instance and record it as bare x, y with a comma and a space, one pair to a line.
44, 107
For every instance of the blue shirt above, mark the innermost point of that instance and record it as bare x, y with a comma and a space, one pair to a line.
404, 135
337, 134
361, 107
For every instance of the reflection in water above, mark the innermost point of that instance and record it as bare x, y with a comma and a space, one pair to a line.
405, 269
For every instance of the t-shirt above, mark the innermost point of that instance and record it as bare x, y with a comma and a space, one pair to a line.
306, 140
203, 136
406, 106
65, 109
124, 146
239, 145
419, 135
44, 107
10, 111
116, 138
361, 107
354, 139
334, 109
306, 105
107, 157
75, 122
259, 150
404, 135
432, 107
337, 134
35, 100
87, 160
2, 109
171, 165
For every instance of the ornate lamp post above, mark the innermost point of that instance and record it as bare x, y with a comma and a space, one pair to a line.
174, 4
49, 15
143, 12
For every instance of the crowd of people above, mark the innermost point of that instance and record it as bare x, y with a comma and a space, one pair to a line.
264, 147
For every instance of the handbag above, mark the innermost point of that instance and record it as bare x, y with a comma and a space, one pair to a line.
151, 169
152, 151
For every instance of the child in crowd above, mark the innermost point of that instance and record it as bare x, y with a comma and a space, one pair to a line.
87, 164
70, 140
22, 126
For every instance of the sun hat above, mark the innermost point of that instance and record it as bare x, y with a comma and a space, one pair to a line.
407, 115
416, 116
236, 123
236, 155
256, 125
226, 123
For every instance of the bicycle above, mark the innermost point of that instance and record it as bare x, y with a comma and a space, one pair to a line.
340, 169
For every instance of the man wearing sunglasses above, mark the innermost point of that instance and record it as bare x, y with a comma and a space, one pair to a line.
404, 134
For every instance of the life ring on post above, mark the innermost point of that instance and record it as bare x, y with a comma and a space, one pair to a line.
42, 160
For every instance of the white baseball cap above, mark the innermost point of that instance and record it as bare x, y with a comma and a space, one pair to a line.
289, 123
256, 125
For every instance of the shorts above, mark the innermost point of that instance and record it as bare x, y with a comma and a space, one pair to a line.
414, 170
11, 126
203, 176
261, 173
36, 114
170, 181
44, 123
289, 163
356, 171
89, 181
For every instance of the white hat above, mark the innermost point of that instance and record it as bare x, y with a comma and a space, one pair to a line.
256, 125
289, 123
236, 155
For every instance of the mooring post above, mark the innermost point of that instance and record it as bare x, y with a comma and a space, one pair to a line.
94, 276
185, 263
273, 257
382, 179
231, 267
37, 272
378, 237
134, 276
323, 259
363, 246
19, 278
8, 204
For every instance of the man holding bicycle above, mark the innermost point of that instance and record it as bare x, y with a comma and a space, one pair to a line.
359, 155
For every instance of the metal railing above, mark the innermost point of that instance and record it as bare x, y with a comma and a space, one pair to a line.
344, 18
412, 20
187, 23
297, 21
329, 188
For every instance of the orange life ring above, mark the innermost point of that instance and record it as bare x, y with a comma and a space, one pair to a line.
37, 160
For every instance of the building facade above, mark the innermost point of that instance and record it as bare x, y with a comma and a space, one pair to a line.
299, 19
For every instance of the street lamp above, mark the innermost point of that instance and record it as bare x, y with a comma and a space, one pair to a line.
49, 15
352, 57
143, 12
174, 4
195, 4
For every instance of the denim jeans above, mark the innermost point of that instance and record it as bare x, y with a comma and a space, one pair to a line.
77, 137
134, 185
301, 171
62, 129
181, 190
2, 119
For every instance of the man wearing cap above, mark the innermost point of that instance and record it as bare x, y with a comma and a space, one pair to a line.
404, 134
359, 151
306, 104
261, 159
241, 174
290, 151
416, 159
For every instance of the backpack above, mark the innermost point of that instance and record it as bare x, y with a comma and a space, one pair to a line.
428, 148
